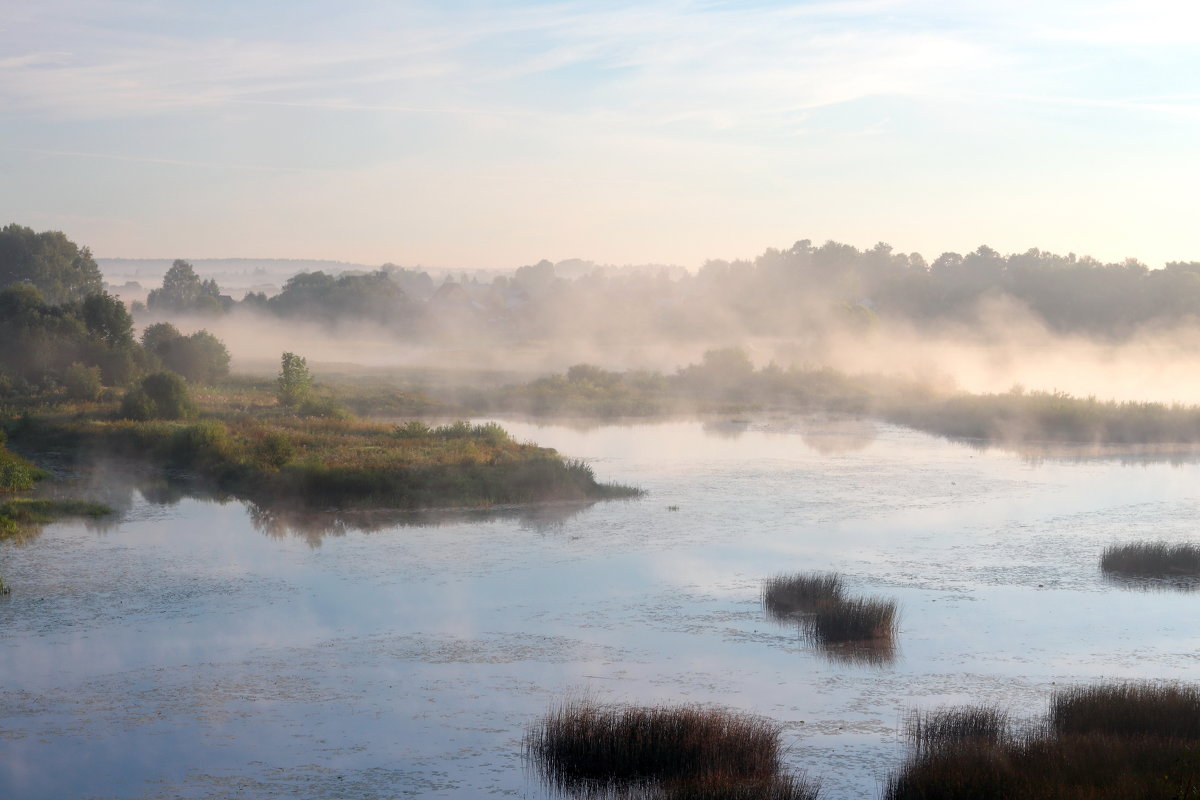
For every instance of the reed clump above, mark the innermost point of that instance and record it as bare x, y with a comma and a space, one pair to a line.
1102, 742
798, 592
854, 620
1128, 709
1151, 560
850, 629
661, 752
928, 731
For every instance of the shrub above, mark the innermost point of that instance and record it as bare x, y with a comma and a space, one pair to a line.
82, 382
326, 407
295, 381
160, 395
274, 450
206, 441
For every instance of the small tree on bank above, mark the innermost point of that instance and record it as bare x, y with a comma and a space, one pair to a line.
295, 381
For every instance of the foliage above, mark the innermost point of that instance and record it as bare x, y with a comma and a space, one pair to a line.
316, 295
183, 291
42, 341
160, 395
199, 357
295, 381
17, 474
49, 261
322, 462
82, 382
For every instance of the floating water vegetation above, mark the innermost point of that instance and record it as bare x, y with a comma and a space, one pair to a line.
1106, 741
671, 752
1151, 560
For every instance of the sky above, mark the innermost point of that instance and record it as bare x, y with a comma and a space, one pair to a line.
463, 134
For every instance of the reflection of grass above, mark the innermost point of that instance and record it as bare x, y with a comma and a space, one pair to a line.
1101, 742
583, 747
1151, 560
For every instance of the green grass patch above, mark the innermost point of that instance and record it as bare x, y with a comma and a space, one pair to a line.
269, 456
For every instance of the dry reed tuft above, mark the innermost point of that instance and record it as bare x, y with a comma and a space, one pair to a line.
854, 620
788, 594
1151, 560
1101, 742
661, 753
1128, 709
945, 727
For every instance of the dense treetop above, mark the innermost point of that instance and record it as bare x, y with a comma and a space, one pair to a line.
60, 269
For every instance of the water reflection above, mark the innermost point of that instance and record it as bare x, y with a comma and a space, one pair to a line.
1174, 583
878, 651
313, 526
838, 436
1129, 455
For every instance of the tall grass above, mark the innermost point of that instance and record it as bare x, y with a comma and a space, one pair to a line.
1128, 709
1107, 741
670, 752
1151, 560
849, 629
787, 594
854, 620
928, 731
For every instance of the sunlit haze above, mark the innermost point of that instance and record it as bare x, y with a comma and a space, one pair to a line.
489, 135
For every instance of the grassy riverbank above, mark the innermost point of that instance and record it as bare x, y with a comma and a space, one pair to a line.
240, 445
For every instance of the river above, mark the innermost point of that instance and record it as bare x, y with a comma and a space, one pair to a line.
198, 649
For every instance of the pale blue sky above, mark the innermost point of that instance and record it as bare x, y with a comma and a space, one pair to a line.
492, 134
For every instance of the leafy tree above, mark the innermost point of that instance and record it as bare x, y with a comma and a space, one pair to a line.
60, 269
200, 357
107, 319
183, 291
295, 381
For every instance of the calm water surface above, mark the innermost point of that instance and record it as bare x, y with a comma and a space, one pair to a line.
196, 649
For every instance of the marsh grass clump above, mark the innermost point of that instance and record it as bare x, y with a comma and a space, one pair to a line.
1151, 560
853, 620
662, 752
1107, 741
788, 594
1128, 709
928, 731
